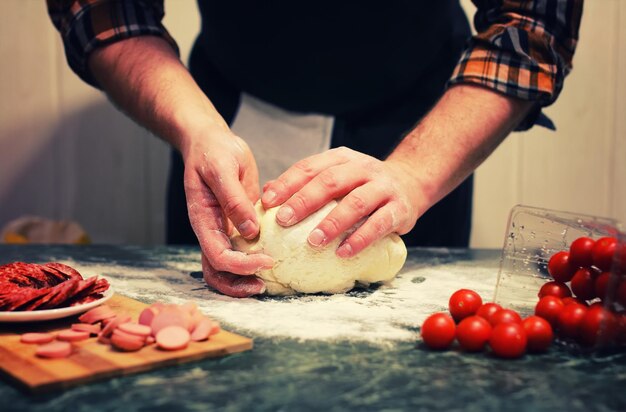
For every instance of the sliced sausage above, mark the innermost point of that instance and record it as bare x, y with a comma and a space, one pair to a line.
35, 337
173, 338
56, 349
70, 335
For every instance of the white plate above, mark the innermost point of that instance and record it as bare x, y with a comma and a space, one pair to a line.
48, 314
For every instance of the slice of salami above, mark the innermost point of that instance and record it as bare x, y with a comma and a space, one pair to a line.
65, 291
102, 285
69, 271
84, 289
25, 297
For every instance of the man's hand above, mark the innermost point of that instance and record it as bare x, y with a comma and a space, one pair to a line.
145, 78
463, 128
381, 192
221, 184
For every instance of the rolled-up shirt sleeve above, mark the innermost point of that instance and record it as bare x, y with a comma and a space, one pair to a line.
523, 49
86, 25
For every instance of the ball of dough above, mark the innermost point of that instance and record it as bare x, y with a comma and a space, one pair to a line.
299, 268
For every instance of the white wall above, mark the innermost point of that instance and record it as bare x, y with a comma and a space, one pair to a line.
66, 153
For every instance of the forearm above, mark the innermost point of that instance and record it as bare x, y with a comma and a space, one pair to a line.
458, 134
145, 78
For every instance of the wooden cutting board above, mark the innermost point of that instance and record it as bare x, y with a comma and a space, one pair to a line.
93, 361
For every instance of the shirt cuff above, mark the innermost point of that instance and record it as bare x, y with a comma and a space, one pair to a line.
509, 71
102, 23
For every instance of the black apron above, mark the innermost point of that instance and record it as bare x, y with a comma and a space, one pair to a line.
377, 67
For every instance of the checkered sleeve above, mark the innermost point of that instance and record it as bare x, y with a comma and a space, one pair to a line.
522, 48
86, 25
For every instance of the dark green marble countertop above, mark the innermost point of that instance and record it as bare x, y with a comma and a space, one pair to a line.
292, 373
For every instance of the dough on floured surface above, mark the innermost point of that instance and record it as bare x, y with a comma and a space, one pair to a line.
299, 268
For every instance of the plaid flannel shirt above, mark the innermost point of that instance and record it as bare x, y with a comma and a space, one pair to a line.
522, 48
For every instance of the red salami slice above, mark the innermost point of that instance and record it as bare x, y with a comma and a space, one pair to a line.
66, 270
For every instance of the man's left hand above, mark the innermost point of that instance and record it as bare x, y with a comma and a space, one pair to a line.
382, 192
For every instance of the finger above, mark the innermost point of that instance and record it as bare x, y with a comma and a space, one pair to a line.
377, 226
229, 284
298, 175
330, 184
233, 199
355, 206
209, 226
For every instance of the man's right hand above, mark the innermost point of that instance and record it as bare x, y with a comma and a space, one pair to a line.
221, 185
145, 78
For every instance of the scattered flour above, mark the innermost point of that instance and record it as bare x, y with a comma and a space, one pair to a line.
378, 315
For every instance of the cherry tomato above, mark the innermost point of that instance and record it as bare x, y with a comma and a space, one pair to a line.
473, 333
603, 252
504, 316
583, 284
464, 303
569, 320
488, 309
508, 340
438, 331
580, 252
538, 332
559, 267
549, 308
569, 300
600, 284
554, 288
599, 326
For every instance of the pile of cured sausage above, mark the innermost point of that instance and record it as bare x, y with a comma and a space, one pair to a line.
30, 286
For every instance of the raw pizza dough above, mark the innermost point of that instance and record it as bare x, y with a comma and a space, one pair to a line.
299, 268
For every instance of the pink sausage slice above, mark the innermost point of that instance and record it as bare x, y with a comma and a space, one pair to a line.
70, 335
146, 316
86, 327
173, 338
135, 329
35, 337
202, 330
56, 349
170, 317
114, 323
126, 342
97, 314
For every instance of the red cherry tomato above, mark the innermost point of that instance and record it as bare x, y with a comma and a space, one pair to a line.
464, 303
598, 326
583, 284
438, 331
508, 340
569, 320
580, 252
538, 332
504, 316
600, 284
554, 288
569, 300
473, 333
488, 309
603, 252
549, 308
559, 267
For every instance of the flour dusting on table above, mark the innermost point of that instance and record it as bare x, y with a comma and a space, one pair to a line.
380, 314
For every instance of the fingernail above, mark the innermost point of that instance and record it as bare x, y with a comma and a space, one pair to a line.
269, 196
344, 250
247, 228
317, 237
285, 215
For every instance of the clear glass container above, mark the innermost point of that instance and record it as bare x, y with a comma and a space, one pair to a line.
533, 235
